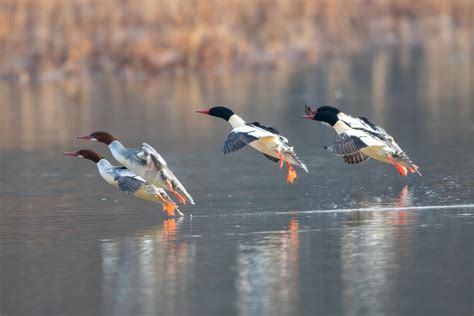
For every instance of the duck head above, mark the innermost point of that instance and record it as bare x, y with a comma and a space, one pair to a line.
100, 136
218, 111
86, 154
324, 117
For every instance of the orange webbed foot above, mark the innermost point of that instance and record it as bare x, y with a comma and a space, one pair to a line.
401, 169
169, 207
291, 174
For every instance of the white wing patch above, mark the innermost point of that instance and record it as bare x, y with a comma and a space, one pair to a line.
152, 156
243, 135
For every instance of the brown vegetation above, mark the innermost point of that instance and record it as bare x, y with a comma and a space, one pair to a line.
76, 37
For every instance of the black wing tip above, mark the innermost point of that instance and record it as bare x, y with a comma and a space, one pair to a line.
129, 184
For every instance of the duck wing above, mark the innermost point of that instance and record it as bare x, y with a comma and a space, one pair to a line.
346, 144
243, 135
129, 184
151, 155
356, 157
273, 130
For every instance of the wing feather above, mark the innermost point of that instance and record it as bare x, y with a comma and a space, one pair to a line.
129, 184
157, 159
268, 129
356, 157
346, 145
237, 140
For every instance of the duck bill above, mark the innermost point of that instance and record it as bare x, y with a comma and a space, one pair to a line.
203, 111
86, 137
309, 116
70, 153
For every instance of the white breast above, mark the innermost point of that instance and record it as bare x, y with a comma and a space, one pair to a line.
105, 170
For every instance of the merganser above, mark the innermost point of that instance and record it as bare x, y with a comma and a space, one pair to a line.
147, 163
360, 139
127, 181
266, 140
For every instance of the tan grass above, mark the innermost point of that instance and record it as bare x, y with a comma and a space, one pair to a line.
58, 37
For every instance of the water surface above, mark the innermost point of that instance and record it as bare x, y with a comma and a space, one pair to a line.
355, 240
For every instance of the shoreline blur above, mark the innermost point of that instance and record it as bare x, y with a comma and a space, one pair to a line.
54, 39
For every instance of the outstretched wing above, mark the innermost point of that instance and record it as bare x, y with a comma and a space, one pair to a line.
129, 184
237, 140
346, 145
154, 156
354, 158
243, 135
268, 129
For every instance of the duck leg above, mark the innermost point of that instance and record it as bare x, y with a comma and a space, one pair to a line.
281, 156
180, 198
401, 169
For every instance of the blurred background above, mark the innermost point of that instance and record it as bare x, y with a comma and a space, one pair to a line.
354, 240
51, 39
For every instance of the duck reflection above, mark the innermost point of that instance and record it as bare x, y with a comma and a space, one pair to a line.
372, 253
267, 281
363, 200
152, 262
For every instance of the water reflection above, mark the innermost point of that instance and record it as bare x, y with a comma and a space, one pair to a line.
268, 274
52, 113
139, 270
243, 252
371, 254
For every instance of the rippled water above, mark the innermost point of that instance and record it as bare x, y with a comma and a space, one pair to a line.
355, 240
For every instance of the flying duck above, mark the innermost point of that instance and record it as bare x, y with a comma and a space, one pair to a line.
146, 163
360, 139
127, 181
266, 140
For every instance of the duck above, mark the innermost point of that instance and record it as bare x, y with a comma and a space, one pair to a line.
359, 140
146, 163
354, 122
128, 182
266, 140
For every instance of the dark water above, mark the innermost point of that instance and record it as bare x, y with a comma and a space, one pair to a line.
353, 240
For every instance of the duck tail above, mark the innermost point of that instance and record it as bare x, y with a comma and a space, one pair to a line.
289, 151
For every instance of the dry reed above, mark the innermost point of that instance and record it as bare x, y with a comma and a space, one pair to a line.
80, 37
